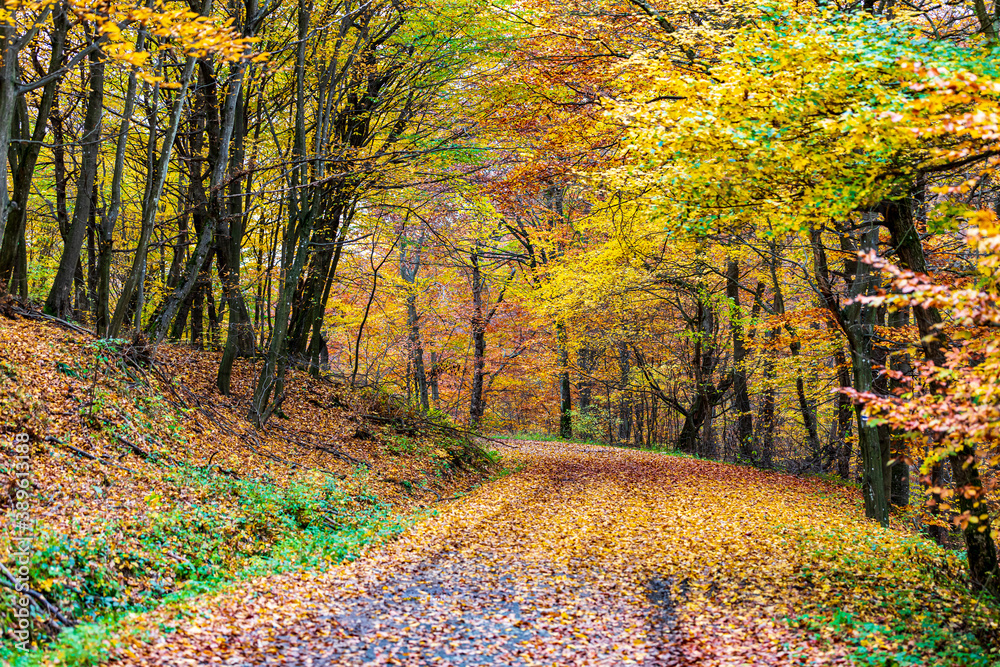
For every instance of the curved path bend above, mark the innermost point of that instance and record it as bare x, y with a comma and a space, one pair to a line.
588, 556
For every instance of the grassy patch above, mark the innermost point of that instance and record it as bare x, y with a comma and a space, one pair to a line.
550, 437
898, 601
80, 646
831, 478
543, 437
212, 530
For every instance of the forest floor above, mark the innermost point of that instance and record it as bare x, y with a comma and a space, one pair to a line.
351, 531
602, 556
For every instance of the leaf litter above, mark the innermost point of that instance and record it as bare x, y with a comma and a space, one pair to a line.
598, 557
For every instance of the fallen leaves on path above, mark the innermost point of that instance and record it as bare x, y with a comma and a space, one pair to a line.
590, 556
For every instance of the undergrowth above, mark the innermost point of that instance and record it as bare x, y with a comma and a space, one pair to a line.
658, 448
545, 437
899, 601
212, 530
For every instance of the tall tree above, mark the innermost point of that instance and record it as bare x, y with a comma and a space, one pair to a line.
60, 300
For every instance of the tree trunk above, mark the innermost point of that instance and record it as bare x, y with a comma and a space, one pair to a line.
10, 47
624, 398
587, 362
763, 453
19, 278
92, 251
59, 302
214, 313
102, 307
151, 202
417, 351
741, 393
433, 380
81, 306
477, 404
981, 550
13, 245
806, 409
229, 230
198, 313
899, 488
840, 441
161, 321
361, 329
694, 419
309, 306
409, 266
860, 319
708, 448
858, 324
703, 364
640, 415
565, 389
269, 390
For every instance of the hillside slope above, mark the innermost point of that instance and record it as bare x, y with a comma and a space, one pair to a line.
145, 483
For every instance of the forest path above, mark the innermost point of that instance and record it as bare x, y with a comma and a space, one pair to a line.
588, 556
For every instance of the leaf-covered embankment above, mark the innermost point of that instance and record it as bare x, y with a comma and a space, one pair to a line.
145, 483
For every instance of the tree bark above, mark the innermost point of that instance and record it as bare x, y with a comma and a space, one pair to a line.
624, 399
477, 403
899, 493
59, 302
980, 547
13, 233
859, 325
432, 379
565, 388
706, 393
93, 276
741, 393
857, 321
762, 454
640, 417
840, 441
10, 47
409, 266
586, 362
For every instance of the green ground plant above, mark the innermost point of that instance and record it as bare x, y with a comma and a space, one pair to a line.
213, 530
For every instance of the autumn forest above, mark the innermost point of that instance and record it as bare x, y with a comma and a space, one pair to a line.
465, 332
